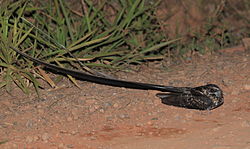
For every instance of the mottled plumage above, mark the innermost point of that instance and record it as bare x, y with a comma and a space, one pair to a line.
205, 97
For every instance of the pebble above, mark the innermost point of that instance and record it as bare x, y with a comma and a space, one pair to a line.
157, 102
177, 117
115, 105
221, 147
235, 100
247, 87
9, 145
154, 118
227, 82
107, 105
247, 147
235, 92
90, 101
189, 115
92, 138
92, 109
29, 139
40, 111
139, 125
70, 146
123, 116
45, 137
222, 114
74, 132
96, 107
69, 119
35, 138
245, 124
109, 118
150, 132
75, 117
216, 129
101, 110
61, 146
74, 112
29, 124
149, 123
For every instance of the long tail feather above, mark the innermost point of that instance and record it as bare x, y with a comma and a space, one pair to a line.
101, 80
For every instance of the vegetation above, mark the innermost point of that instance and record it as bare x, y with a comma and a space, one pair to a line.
97, 35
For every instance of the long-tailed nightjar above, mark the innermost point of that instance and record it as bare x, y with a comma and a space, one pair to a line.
205, 97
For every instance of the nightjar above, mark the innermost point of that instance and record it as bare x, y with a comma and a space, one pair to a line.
205, 97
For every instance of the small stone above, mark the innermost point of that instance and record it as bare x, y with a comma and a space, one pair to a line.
216, 129
9, 145
156, 127
96, 107
75, 114
75, 117
92, 138
14, 145
29, 139
157, 102
222, 114
245, 124
177, 117
246, 43
247, 147
91, 109
189, 115
115, 105
40, 111
29, 124
221, 147
235, 92
101, 110
45, 137
124, 116
35, 138
139, 125
235, 100
70, 146
39, 106
247, 86
227, 82
149, 123
90, 101
74, 132
107, 105
69, 119
154, 118
61, 146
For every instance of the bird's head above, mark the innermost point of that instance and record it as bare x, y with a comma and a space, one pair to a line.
213, 92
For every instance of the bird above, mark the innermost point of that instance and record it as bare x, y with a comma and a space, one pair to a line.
206, 97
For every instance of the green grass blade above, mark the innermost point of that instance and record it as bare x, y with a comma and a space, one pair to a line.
155, 47
67, 21
81, 39
24, 37
88, 43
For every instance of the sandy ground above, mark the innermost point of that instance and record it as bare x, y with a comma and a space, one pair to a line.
103, 117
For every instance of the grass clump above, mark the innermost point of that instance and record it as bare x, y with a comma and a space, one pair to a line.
99, 35
109, 34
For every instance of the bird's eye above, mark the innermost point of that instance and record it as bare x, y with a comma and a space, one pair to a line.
217, 93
